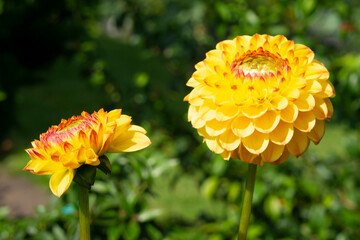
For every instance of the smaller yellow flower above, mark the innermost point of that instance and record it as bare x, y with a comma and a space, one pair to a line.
82, 140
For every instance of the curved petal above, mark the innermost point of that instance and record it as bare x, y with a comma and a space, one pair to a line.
242, 126
290, 113
305, 102
226, 112
285, 156
256, 143
132, 140
316, 70
113, 115
328, 89
215, 128
254, 111
61, 180
282, 134
320, 110
245, 155
42, 167
329, 107
267, 122
305, 121
229, 141
317, 132
298, 144
273, 152
279, 102
214, 145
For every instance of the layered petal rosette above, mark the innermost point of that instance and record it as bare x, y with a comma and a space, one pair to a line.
82, 140
260, 98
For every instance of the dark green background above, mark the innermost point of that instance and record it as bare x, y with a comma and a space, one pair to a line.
58, 58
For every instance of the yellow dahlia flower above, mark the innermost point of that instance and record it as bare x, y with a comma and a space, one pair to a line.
260, 98
82, 140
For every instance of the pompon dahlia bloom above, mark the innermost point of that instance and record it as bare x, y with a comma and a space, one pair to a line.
260, 98
82, 140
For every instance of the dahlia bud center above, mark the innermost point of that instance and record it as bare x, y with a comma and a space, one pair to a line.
257, 64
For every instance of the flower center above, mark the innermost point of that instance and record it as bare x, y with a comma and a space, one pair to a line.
258, 63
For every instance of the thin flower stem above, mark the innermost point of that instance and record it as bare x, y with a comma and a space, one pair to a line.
247, 202
84, 219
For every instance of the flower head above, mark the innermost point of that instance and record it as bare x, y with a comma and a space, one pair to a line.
260, 98
82, 140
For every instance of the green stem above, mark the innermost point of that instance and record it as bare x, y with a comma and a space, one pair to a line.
84, 219
247, 202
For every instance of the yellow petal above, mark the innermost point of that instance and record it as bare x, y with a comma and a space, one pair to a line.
242, 126
256, 143
196, 101
42, 167
298, 144
226, 155
229, 141
302, 50
192, 83
88, 156
285, 156
195, 117
278, 40
290, 113
214, 145
226, 112
305, 102
317, 132
279, 102
283, 133
61, 180
242, 41
314, 86
254, 111
328, 89
245, 155
132, 140
273, 152
215, 127
258, 161
320, 110
291, 93
316, 70
267, 122
113, 115
329, 107
256, 41
305, 121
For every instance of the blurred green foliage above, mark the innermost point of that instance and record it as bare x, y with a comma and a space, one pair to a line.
58, 58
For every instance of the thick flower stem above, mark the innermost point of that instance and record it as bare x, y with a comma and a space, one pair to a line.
84, 219
247, 202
